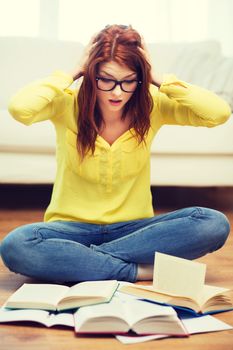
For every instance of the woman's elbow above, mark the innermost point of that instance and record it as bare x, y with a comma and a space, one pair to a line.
225, 113
221, 114
18, 112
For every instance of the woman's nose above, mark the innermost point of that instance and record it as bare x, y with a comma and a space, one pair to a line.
117, 91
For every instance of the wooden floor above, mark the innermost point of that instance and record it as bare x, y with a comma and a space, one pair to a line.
219, 272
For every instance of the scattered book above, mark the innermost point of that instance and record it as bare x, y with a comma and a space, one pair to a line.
180, 283
118, 317
60, 297
194, 325
46, 318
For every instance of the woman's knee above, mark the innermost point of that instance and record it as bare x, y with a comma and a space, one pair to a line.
13, 248
222, 227
217, 224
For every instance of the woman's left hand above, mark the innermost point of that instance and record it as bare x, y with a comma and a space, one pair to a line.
155, 79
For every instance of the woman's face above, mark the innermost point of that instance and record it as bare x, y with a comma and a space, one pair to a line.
114, 100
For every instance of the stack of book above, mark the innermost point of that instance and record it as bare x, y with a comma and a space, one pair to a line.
177, 304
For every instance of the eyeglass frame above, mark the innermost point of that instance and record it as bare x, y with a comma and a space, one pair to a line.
117, 82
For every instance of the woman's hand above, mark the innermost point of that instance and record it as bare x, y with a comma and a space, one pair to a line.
80, 68
155, 79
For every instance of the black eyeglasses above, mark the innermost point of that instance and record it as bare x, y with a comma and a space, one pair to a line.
106, 84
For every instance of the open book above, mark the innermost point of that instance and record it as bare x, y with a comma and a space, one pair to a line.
193, 324
119, 317
46, 318
180, 282
59, 297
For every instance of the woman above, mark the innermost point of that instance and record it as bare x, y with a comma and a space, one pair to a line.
100, 222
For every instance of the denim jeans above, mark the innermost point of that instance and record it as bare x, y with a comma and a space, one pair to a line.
65, 251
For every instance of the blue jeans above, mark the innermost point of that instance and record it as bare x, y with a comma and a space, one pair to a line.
65, 251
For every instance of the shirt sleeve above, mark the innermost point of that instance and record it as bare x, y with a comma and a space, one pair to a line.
43, 99
181, 103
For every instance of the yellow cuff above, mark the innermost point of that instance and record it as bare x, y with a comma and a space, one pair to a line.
171, 79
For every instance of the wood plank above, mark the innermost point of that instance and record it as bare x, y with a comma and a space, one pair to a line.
28, 336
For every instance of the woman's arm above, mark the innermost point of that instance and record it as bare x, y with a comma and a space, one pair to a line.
42, 100
180, 103
50, 97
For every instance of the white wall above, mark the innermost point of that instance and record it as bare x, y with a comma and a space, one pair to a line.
221, 23
157, 20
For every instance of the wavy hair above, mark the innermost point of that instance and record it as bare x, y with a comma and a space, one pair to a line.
120, 44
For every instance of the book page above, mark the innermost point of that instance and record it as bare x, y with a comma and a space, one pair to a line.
41, 316
63, 319
209, 292
178, 276
135, 339
137, 310
93, 289
204, 324
148, 292
112, 309
101, 317
36, 294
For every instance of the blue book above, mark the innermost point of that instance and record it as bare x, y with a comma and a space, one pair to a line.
185, 311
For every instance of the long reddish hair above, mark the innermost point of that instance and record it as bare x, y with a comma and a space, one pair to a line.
120, 44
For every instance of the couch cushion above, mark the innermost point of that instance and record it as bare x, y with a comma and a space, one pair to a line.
170, 57
213, 72
192, 170
14, 136
200, 63
195, 140
24, 60
220, 80
21, 168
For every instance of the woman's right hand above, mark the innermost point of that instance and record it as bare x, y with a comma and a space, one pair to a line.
80, 68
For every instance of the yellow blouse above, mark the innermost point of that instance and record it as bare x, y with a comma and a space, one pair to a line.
114, 184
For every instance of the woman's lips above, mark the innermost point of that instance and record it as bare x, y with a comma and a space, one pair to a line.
115, 102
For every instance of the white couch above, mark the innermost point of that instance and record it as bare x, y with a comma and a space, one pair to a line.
181, 156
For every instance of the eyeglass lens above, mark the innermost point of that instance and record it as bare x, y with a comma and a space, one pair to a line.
109, 84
